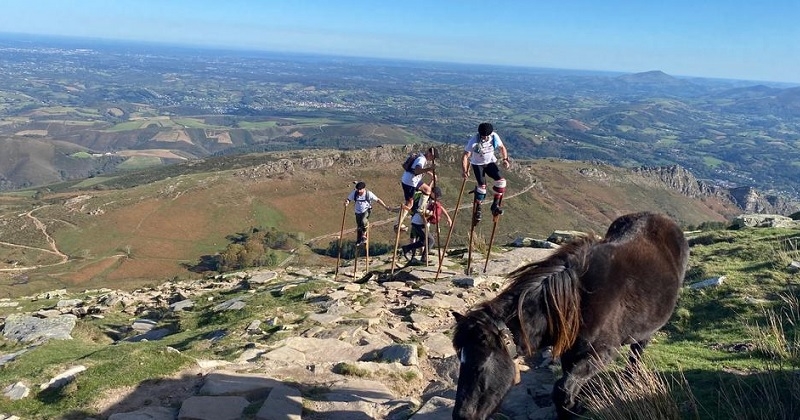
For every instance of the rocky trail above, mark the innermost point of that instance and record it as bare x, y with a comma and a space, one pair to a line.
378, 349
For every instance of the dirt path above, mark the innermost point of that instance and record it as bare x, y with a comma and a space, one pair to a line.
52, 242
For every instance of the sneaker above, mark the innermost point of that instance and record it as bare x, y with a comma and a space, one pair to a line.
496, 210
403, 228
404, 252
361, 242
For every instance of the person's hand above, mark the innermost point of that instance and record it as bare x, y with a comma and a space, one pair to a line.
465, 174
346, 202
506, 163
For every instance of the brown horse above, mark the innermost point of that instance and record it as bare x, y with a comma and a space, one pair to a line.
586, 300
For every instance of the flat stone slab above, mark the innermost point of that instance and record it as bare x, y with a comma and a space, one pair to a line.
230, 383
283, 403
212, 408
29, 329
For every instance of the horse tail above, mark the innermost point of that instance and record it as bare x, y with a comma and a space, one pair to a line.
551, 290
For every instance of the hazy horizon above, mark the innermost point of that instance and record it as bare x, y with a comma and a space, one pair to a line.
735, 39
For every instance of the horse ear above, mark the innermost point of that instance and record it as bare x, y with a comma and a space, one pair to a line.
457, 316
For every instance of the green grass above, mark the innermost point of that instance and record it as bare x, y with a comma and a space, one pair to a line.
139, 162
88, 182
257, 125
128, 126
193, 123
712, 161
108, 367
129, 364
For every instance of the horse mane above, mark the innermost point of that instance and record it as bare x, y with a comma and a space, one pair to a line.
550, 290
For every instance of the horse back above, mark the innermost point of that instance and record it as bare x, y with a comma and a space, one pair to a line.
633, 275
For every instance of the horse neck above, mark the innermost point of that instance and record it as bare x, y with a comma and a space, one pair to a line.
503, 312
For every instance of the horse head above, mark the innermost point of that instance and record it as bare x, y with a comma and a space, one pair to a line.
487, 370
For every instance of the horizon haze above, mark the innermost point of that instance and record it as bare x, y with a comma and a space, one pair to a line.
728, 40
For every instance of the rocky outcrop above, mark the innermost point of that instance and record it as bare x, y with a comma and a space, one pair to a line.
764, 220
746, 198
679, 179
752, 201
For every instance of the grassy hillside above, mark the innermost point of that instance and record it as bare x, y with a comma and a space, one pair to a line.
148, 226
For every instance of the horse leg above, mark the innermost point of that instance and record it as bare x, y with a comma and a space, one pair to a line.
578, 370
637, 349
635, 357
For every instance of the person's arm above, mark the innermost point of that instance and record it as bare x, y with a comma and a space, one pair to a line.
382, 203
504, 155
465, 164
446, 214
420, 170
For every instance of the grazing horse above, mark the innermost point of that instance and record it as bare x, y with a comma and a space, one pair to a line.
586, 300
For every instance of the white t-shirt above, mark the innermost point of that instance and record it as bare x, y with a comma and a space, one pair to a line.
483, 151
362, 202
414, 180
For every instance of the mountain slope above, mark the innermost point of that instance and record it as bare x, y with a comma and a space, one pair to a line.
131, 230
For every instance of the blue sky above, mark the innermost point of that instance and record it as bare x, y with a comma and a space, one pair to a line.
751, 40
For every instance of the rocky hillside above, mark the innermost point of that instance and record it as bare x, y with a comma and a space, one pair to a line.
143, 227
371, 347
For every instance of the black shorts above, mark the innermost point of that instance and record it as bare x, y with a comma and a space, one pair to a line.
408, 191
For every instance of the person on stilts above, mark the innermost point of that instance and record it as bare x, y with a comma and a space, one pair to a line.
363, 199
480, 153
411, 181
424, 216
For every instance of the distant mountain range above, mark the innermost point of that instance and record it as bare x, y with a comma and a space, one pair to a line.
88, 110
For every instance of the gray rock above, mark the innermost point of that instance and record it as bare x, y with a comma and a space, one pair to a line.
283, 403
66, 303
793, 267
11, 356
436, 408
230, 383
147, 413
181, 305
763, 220
468, 281
716, 281
16, 391
564, 236
63, 378
438, 345
403, 353
143, 325
212, 408
262, 277
234, 304
152, 335
28, 329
